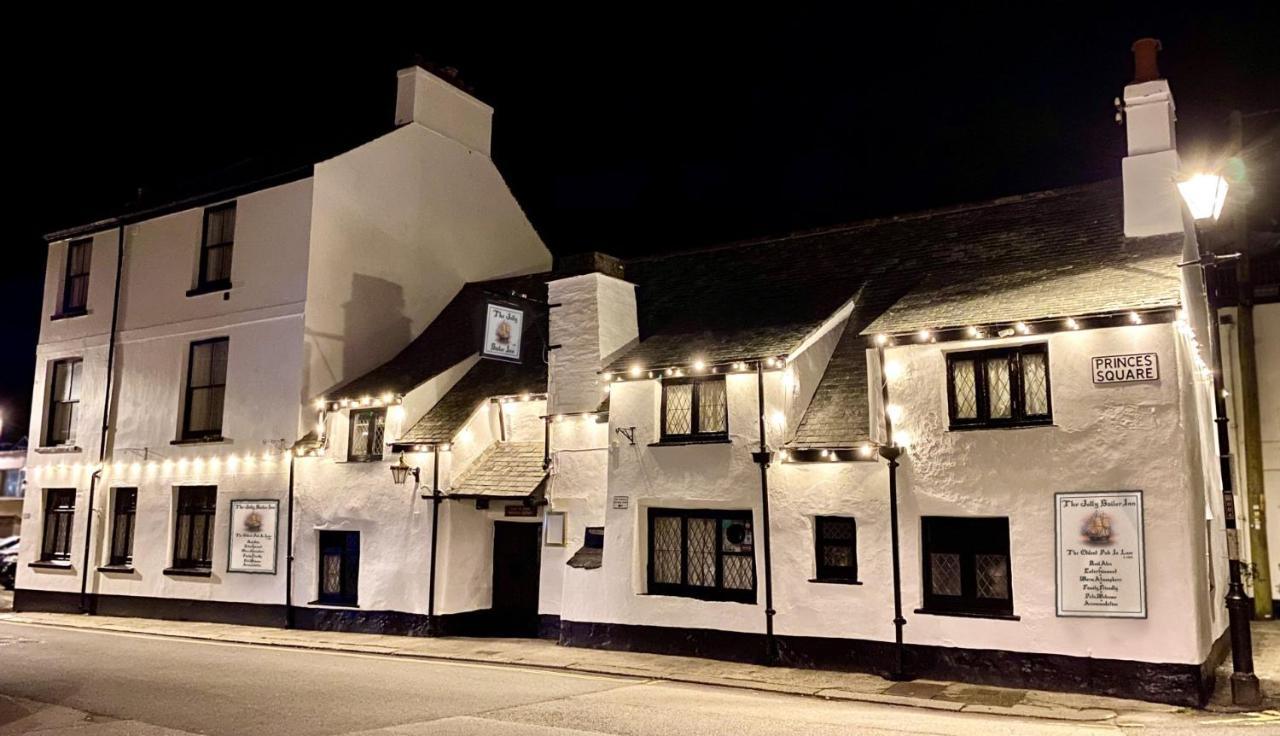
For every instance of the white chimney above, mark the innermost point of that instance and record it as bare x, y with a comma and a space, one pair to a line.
429, 101
1151, 203
593, 316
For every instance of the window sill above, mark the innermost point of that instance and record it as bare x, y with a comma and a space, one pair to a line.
213, 287
684, 441
331, 604
976, 427
58, 449
189, 572
708, 598
835, 581
49, 565
377, 459
117, 568
217, 440
969, 614
68, 315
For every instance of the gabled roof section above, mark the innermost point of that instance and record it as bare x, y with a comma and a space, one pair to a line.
454, 335
504, 470
485, 380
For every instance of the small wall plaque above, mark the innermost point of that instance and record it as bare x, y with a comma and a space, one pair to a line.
519, 509
621, 502
1126, 368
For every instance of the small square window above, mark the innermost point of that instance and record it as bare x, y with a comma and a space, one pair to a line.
1005, 387
694, 409
368, 427
966, 565
836, 549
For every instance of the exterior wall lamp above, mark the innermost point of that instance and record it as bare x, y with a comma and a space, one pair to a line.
401, 471
1204, 194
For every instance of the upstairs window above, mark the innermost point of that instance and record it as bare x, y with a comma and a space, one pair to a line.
216, 246
123, 512
75, 286
694, 409
836, 549
206, 387
193, 528
367, 430
64, 402
1005, 387
339, 568
966, 566
59, 515
702, 554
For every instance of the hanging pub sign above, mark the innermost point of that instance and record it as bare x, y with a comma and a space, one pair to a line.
253, 536
503, 326
1126, 368
1101, 554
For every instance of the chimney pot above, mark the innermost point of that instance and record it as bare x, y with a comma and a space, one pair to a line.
1145, 68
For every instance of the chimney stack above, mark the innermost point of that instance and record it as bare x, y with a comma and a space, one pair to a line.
429, 101
1151, 203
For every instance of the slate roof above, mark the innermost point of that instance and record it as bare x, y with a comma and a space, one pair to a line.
454, 335
487, 378
504, 470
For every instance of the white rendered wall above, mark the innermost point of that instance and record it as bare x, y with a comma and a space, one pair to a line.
399, 225
1127, 436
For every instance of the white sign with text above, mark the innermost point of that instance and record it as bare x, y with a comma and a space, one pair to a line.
253, 536
1101, 554
502, 332
1126, 368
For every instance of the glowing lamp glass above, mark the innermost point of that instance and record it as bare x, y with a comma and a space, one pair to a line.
1204, 194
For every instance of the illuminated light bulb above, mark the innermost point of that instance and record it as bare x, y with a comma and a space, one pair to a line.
466, 435
699, 365
446, 447
1022, 328
266, 456
779, 419
319, 404
973, 332
607, 376
895, 412
892, 370
135, 467
902, 438
345, 403
924, 335
865, 450
1072, 324
118, 467
882, 340
1135, 318
834, 457
334, 406
559, 418
364, 400
824, 453
671, 371
651, 374
635, 371
387, 397
784, 456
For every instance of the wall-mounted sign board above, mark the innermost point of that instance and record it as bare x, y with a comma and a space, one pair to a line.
1126, 368
253, 536
1101, 557
503, 328
519, 509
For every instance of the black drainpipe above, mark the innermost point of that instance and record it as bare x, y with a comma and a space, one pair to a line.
288, 553
764, 457
106, 422
432, 628
890, 451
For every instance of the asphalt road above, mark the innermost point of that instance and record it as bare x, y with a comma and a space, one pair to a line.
90, 683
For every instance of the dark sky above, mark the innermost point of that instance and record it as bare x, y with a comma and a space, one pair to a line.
628, 134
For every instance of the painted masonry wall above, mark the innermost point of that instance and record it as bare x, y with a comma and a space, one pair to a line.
400, 224
261, 314
1127, 436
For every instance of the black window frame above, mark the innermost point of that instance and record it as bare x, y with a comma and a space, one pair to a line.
211, 433
834, 573
966, 536
124, 512
709, 593
194, 503
76, 272
373, 446
339, 541
203, 282
59, 514
1017, 391
55, 404
695, 410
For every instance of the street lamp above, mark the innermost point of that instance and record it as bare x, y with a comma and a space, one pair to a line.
1204, 195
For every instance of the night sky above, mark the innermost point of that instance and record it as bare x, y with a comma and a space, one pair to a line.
629, 135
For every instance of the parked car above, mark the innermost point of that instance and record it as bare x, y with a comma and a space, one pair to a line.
8, 562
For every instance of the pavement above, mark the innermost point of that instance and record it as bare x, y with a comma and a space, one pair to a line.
58, 680
953, 697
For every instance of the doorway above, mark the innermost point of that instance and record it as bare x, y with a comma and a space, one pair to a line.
516, 556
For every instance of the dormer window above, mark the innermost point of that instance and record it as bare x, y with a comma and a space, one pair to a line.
368, 427
694, 409
1004, 387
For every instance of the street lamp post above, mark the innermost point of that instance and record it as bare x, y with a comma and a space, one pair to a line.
1205, 194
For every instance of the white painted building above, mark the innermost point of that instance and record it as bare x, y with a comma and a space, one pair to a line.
183, 343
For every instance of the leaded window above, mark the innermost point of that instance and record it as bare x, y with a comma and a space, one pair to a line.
124, 510
836, 549
368, 428
966, 565
75, 286
216, 246
702, 554
206, 388
59, 516
193, 528
694, 409
1005, 387
64, 402
339, 568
